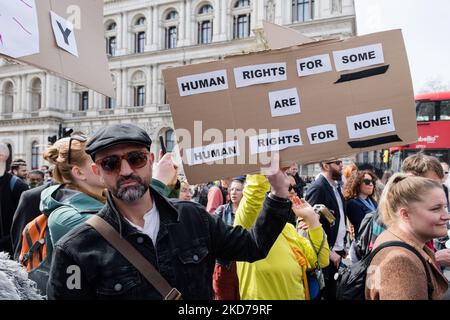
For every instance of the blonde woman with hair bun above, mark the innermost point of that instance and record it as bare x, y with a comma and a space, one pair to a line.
415, 211
78, 194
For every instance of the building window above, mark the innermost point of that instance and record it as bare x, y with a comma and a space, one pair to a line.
139, 96
36, 94
111, 39
84, 100
139, 42
205, 32
242, 3
35, 155
171, 30
110, 103
111, 27
241, 26
140, 21
138, 83
171, 37
139, 34
207, 8
8, 97
302, 10
170, 140
205, 24
241, 19
111, 46
172, 15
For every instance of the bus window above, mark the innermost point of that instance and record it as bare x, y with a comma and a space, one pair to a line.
445, 110
426, 111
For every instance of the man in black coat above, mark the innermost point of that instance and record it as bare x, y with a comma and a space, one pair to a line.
27, 210
179, 238
10, 190
325, 190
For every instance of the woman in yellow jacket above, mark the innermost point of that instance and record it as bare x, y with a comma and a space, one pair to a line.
281, 275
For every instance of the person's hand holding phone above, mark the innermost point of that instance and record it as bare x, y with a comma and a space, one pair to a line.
163, 146
165, 170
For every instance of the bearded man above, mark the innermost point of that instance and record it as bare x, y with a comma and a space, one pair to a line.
179, 238
325, 190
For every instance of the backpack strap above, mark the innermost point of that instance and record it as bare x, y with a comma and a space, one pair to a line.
320, 249
135, 258
12, 182
412, 249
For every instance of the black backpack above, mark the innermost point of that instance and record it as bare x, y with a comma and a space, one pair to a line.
351, 280
203, 195
360, 245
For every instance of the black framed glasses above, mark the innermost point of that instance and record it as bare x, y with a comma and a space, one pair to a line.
113, 163
368, 182
291, 187
79, 138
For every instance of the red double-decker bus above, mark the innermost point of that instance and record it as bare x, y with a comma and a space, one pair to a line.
433, 129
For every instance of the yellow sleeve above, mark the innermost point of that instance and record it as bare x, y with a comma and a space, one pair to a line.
251, 204
316, 235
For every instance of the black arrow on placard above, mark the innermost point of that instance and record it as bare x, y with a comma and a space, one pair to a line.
363, 74
374, 141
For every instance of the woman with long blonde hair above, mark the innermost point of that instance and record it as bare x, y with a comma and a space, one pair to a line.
415, 211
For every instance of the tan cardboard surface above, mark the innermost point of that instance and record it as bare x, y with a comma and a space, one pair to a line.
322, 101
278, 37
90, 68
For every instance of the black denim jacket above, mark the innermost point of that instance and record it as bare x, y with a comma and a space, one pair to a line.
86, 266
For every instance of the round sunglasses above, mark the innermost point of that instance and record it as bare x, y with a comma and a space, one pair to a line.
113, 163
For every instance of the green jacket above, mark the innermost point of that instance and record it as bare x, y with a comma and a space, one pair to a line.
66, 209
165, 190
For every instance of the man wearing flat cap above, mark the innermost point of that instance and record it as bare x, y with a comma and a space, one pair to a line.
179, 238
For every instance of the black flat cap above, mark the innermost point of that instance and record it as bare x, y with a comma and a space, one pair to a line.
116, 134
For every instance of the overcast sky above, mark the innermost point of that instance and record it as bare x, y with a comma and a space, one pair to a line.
426, 30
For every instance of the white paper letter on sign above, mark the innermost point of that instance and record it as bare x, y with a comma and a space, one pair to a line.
313, 65
203, 82
212, 152
369, 124
284, 102
322, 133
358, 57
260, 73
64, 34
275, 141
19, 30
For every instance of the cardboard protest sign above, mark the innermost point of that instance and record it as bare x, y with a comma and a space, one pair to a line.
312, 102
42, 33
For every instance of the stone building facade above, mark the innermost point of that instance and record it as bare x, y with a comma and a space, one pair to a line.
142, 38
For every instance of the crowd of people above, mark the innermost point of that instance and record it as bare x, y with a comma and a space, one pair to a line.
252, 237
